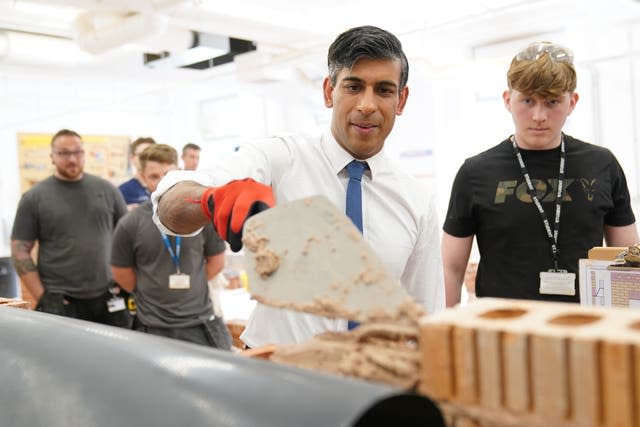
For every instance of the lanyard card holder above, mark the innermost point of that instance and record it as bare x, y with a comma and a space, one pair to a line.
557, 282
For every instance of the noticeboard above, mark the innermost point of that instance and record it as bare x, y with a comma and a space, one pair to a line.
106, 156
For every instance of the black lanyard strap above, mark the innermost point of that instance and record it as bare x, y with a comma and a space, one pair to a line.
552, 234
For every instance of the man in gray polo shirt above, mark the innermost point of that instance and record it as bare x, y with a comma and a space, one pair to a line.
168, 274
71, 215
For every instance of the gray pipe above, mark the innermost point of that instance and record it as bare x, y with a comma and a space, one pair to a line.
56, 371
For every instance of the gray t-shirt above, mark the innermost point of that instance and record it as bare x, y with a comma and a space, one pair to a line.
73, 222
137, 243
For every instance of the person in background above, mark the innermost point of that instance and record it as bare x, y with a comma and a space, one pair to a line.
135, 190
168, 275
71, 215
190, 156
366, 88
539, 200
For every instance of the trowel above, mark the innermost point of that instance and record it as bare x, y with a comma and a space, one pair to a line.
308, 256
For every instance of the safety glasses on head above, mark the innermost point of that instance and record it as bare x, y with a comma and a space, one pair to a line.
535, 50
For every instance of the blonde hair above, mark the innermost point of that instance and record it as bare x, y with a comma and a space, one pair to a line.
543, 76
160, 153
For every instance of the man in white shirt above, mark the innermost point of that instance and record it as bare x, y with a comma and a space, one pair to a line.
366, 88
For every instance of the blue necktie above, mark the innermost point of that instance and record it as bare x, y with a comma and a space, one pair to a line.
354, 202
354, 192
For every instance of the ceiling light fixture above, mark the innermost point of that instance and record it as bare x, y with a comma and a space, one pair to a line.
208, 50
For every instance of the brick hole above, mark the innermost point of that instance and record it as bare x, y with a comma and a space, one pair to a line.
503, 313
635, 325
575, 319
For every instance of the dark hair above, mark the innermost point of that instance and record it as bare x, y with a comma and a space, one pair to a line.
64, 132
160, 153
190, 146
139, 141
368, 42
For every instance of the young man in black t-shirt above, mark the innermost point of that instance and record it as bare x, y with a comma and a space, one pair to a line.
539, 200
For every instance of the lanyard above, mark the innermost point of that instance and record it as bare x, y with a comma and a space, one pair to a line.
175, 256
551, 234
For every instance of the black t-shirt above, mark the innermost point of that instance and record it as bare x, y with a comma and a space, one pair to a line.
489, 198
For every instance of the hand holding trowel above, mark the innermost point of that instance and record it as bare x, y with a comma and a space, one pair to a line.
307, 256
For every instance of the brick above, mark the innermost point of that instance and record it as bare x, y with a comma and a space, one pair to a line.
543, 363
617, 384
585, 387
490, 368
437, 377
549, 374
465, 365
515, 348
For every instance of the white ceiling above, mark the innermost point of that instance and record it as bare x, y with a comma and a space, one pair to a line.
122, 29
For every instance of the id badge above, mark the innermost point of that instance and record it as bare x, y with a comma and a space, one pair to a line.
557, 282
179, 281
116, 304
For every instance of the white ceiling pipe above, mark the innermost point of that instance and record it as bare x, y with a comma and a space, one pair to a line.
119, 31
143, 6
29, 49
261, 31
171, 40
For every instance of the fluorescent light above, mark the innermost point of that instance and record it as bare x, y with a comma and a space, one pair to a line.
207, 46
187, 57
201, 53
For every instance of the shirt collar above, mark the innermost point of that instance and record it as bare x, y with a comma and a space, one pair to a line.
339, 158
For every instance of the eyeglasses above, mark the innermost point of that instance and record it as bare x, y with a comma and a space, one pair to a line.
69, 154
535, 50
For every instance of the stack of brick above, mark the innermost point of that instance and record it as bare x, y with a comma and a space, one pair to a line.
498, 363
9, 302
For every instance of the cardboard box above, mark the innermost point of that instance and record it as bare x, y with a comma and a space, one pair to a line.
605, 252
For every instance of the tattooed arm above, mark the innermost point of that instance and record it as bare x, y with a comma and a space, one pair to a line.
25, 267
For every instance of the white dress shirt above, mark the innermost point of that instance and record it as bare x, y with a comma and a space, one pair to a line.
399, 220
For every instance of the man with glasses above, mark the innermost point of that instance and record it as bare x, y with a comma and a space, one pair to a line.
135, 191
539, 200
71, 215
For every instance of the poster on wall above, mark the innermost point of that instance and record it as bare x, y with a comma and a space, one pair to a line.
105, 155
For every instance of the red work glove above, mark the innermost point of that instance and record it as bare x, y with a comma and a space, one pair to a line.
230, 205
